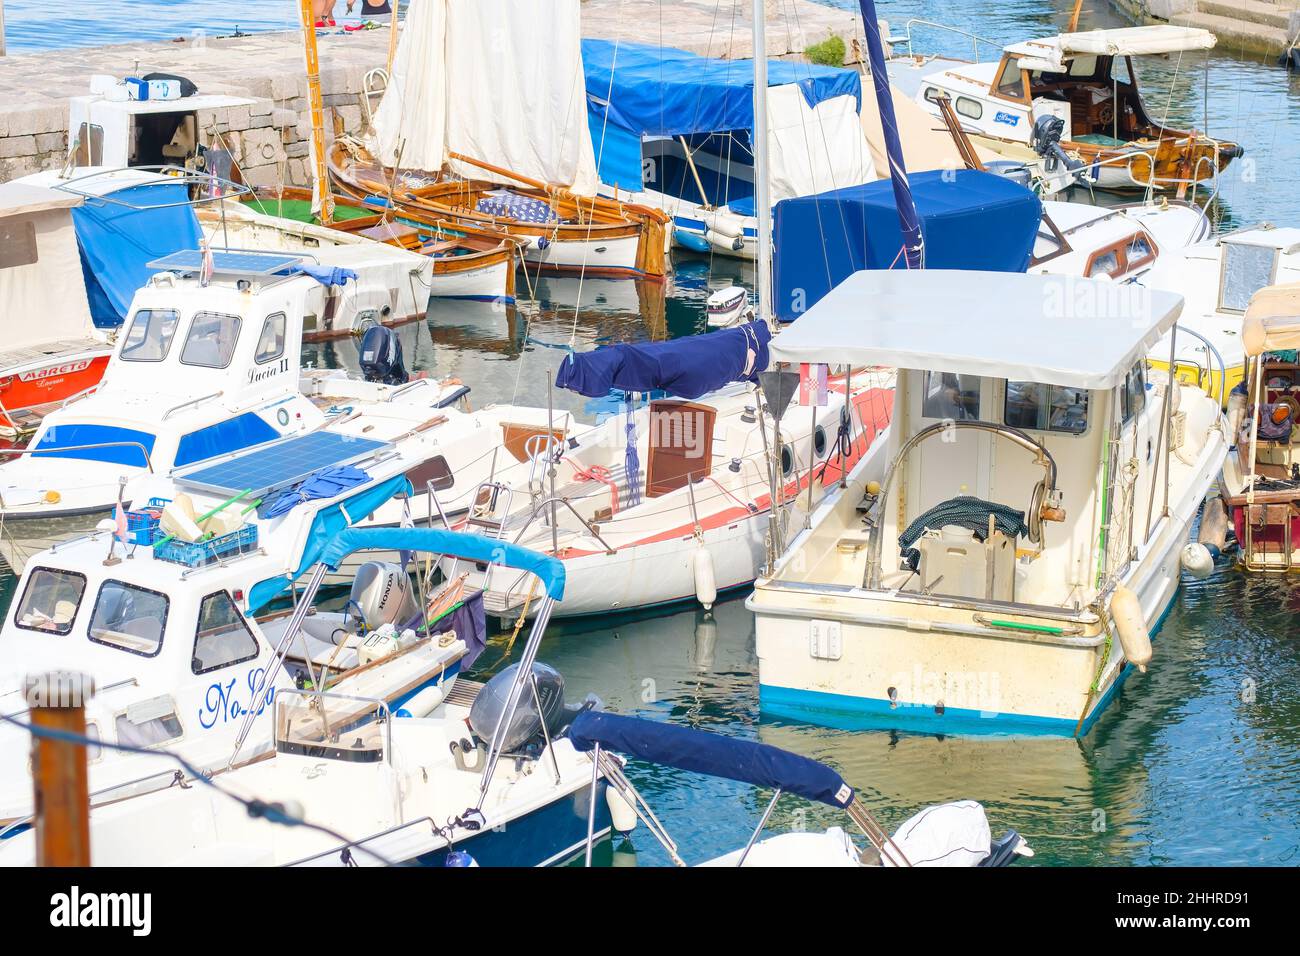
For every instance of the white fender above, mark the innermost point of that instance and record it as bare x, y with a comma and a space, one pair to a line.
621, 814
1197, 560
1126, 611
706, 587
725, 224
424, 702
724, 243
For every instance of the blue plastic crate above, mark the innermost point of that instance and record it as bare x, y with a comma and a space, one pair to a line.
142, 524
195, 554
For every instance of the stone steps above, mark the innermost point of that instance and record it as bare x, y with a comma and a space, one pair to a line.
1237, 36
1272, 15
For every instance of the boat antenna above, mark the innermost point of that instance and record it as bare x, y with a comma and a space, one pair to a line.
913, 243
320, 178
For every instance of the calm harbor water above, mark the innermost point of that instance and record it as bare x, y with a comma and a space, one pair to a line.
1196, 762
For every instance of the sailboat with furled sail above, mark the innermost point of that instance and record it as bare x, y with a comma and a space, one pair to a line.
524, 166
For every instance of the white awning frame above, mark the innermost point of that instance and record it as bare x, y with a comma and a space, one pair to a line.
1052, 54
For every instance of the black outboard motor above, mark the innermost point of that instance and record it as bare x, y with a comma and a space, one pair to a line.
381, 356
1046, 141
526, 726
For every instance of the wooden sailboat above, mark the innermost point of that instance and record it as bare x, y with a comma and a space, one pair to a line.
557, 231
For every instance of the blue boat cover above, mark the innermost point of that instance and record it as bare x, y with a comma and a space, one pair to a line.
326, 483
970, 220
325, 275
688, 367
458, 544
638, 89
702, 752
119, 234
327, 524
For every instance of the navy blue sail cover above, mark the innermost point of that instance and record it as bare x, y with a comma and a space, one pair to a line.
970, 220
458, 544
687, 368
702, 752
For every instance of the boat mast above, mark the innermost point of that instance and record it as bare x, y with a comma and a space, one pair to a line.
320, 178
913, 244
762, 186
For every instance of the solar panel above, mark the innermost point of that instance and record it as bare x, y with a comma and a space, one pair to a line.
279, 464
227, 262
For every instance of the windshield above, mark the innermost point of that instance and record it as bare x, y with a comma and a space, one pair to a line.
50, 601
211, 341
150, 335
129, 617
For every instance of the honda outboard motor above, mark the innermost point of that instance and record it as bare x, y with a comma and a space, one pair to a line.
1046, 141
381, 594
526, 726
381, 356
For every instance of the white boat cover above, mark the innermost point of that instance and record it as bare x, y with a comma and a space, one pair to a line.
42, 292
830, 848
497, 80
1055, 51
837, 159
1058, 330
950, 834
1272, 320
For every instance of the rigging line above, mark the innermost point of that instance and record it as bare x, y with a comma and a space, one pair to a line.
256, 807
1149, 195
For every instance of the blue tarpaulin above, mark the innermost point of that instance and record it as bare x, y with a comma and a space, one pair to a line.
702, 752
328, 523
325, 275
121, 232
970, 220
636, 90
687, 368
326, 483
458, 544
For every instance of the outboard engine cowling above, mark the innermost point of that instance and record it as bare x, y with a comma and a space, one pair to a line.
1046, 142
381, 593
381, 356
526, 724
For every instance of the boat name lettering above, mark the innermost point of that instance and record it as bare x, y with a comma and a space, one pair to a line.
66, 369
1010, 119
262, 374
220, 703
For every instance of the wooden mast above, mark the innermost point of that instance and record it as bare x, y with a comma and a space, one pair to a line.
1074, 17
392, 36
319, 173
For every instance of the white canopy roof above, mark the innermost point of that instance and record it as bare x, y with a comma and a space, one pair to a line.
1054, 52
1272, 320
1059, 330
19, 199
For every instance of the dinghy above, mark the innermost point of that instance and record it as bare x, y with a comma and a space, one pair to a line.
951, 834
999, 563
460, 768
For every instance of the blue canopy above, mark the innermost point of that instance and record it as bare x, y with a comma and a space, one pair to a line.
327, 524
455, 543
970, 220
702, 752
637, 89
688, 367
121, 232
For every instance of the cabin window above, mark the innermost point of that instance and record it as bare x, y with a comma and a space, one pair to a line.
149, 723
222, 637
1135, 391
93, 750
969, 108
951, 396
435, 471
1140, 251
1046, 408
270, 345
129, 618
17, 243
211, 342
1119, 71
50, 601
1010, 83
1104, 263
933, 94
1083, 66
150, 336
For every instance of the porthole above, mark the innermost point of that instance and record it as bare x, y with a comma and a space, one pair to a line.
819, 441
787, 461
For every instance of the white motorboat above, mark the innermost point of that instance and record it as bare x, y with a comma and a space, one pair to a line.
165, 627
460, 769
1039, 482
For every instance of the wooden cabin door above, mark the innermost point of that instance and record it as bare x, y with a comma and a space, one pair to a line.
681, 445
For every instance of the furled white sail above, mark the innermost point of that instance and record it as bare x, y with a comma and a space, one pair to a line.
411, 121
497, 80
814, 149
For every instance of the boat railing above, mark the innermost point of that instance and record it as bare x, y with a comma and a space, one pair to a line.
1205, 371
170, 778
193, 401
316, 702
50, 452
1196, 182
169, 175
975, 38
537, 509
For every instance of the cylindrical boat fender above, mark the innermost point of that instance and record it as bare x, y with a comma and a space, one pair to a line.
725, 224
423, 702
1213, 532
621, 814
1236, 414
1126, 611
1197, 560
706, 587
724, 243
693, 241
459, 858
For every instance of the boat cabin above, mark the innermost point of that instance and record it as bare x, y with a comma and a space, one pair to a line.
121, 133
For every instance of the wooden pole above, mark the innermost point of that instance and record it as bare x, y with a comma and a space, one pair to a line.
317, 109
59, 778
392, 36
1074, 17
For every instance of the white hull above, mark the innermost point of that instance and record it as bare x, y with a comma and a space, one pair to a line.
591, 255
486, 283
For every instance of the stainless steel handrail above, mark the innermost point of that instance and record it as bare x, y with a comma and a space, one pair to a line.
193, 401
107, 444
381, 710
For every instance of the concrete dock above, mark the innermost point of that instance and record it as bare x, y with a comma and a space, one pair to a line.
1257, 28
269, 137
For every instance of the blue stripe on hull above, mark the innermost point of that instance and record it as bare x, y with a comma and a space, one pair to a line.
848, 712
552, 834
